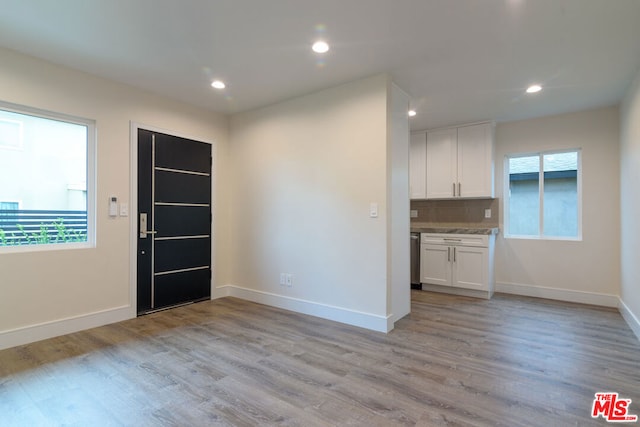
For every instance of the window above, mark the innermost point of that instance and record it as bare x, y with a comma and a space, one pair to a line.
547, 204
49, 170
10, 133
6, 208
9, 206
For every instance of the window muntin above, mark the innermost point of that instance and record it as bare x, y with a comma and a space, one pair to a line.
543, 205
52, 176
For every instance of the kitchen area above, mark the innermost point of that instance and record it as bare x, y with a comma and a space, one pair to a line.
454, 215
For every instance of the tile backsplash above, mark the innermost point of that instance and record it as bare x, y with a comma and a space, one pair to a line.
461, 211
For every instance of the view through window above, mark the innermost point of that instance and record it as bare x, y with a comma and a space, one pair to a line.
547, 204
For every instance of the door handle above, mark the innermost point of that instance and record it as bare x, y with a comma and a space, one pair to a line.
143, 226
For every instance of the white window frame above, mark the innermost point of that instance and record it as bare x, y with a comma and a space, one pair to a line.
507, 196
91, 178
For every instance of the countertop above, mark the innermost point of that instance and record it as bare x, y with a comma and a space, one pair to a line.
467, 228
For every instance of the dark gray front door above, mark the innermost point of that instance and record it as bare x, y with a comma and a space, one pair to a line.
174, 221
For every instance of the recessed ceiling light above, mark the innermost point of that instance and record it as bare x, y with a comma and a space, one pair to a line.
218, 84
412, 113
534, 88
320, 47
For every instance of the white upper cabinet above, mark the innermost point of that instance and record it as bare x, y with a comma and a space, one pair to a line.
418, 166
475, 161
441, 164
460, 162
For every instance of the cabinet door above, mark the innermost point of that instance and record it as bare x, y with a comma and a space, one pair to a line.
475, 161
470, 268
418, 166
435, 265
441, 164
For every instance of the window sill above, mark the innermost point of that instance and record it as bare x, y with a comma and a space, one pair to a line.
45, 248
544, 238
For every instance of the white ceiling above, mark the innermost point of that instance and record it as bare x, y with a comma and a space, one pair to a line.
460, 60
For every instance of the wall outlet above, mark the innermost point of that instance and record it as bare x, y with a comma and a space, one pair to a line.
289, 280
487, 213
413, 213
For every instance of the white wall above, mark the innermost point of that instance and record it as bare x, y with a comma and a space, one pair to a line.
630, 206
398, 249
585, 271
303, 175
48, 293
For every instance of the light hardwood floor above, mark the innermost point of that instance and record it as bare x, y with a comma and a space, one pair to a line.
509, 361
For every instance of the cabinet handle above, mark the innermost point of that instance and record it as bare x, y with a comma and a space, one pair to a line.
459, 190
454, 254
449, 254
454, 189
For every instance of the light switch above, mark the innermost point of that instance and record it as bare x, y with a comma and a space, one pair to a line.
373, 210
124, 209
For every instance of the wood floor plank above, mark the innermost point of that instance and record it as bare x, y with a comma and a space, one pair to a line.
454, 361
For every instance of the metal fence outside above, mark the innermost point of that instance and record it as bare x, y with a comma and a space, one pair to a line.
29, 227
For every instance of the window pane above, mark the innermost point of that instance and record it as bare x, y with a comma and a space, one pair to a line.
561, 194
524, 196
48, 176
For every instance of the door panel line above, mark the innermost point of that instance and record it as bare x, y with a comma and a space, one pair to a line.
188, 172
201, 205
153, 219
182, 270
201, 236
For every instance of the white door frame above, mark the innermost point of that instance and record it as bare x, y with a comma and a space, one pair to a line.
133, 207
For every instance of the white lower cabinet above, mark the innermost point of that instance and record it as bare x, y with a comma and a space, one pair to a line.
457, 261
435, 264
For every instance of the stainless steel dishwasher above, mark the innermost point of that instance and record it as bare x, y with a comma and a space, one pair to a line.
415, 261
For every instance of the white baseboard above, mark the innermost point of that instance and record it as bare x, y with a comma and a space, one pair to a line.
351, 317
221, 292
456, 291
41, 331
630, 318
605, 300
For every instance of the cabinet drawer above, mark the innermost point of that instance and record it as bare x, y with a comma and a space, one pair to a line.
479, 240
